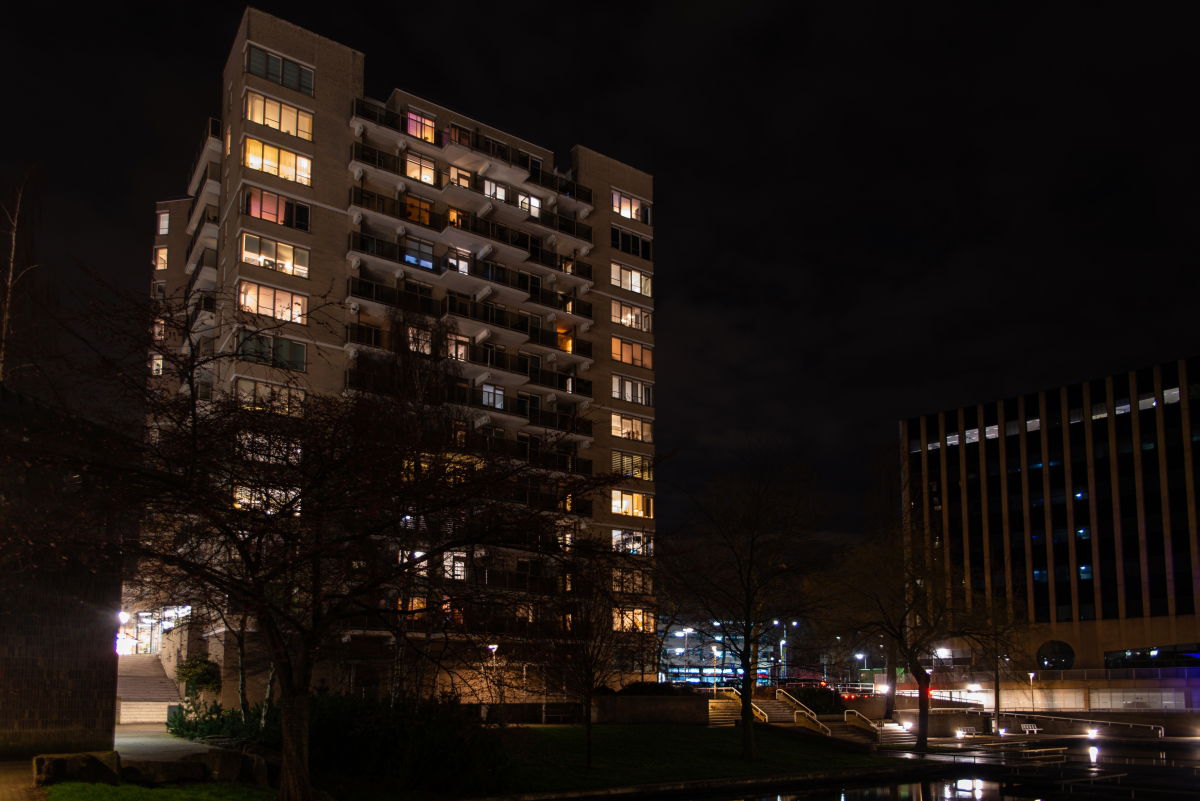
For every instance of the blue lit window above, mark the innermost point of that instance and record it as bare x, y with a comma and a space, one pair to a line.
1080, 495
1085, 572
1083, 533
1041, 576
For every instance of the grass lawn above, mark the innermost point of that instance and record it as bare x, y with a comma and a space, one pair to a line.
75, 791
552, 757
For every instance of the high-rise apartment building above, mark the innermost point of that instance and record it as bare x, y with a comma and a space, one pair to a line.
332, 216
1074, 508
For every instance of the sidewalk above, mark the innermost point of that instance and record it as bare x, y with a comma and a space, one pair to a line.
16, 782
133, 741
150, 741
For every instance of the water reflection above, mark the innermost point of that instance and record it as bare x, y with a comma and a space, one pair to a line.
964, 789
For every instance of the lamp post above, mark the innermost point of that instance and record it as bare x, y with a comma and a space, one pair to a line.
715, 652
1032, 697
863, 658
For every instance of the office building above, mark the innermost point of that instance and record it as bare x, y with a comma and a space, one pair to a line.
332, 216
1073, 508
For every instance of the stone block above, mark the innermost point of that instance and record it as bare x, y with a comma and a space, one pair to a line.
95, 767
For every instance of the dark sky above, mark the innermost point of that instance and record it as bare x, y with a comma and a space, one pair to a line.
863, 211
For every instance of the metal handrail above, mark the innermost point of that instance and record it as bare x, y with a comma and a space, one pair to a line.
859, 719
803, 716
1154, 727
758, 711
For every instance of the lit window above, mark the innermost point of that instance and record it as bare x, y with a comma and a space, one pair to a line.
459, 261
159, 330
633, 465
455, 564
634, 353
160, 258
278, 256
164, 223
631, 279
635, 504
278, 303
458, 347
460, 177
156, 364
418, 252
630, 580
277, 161
632, 390
280, 116
631, 428
417, 209
263, 396
271, 207
495, 190
632, 316
420, 340
633, 542
269, 500
530, 204
493, 396
633, 620
420, 168
631, 208
421, 127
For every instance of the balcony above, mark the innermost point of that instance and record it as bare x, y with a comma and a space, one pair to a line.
390, 119
564, 225
516, 449
520, 164
210, 142
205, 231
390, 296
367, 200
561, 382
368, 335
564, 264
561, 302
203, 273
569, 423
489, 400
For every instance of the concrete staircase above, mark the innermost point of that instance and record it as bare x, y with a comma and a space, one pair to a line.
895, 736
778, 712
840, 730
724, 712
143, 689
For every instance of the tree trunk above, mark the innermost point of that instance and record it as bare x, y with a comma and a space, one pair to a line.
749, 671
266, 704
922, 677
294, 784
587, 729
243, 702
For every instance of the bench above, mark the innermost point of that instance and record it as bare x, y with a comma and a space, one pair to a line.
1030, 728
967, 731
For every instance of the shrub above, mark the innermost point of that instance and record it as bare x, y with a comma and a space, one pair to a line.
199, 675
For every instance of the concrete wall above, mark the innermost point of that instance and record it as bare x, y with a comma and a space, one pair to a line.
649, 709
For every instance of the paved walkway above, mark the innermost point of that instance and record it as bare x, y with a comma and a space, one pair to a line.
150, 741
140, 741
16, 782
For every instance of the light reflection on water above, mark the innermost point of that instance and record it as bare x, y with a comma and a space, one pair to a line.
965, 789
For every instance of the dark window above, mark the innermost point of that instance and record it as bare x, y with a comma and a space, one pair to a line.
280, 70
627, 242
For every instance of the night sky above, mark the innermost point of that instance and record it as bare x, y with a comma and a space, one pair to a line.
862, 212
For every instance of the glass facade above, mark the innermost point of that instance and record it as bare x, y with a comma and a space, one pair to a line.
1073, 504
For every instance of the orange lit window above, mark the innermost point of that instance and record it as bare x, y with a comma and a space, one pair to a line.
421, 127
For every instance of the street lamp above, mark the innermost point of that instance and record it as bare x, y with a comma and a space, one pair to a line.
782, 661
1032, 697
715, 651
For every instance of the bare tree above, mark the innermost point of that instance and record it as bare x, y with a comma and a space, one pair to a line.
741, 565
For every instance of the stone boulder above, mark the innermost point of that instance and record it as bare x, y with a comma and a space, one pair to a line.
95, 767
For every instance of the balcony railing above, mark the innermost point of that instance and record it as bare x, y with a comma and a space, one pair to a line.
565, 264
570, 423
360, 334
564, 224
481, 143
563, 302
372, 246
207, 259
517, 449
491, 230
212, 130
391, 296
561, 381
211, 214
